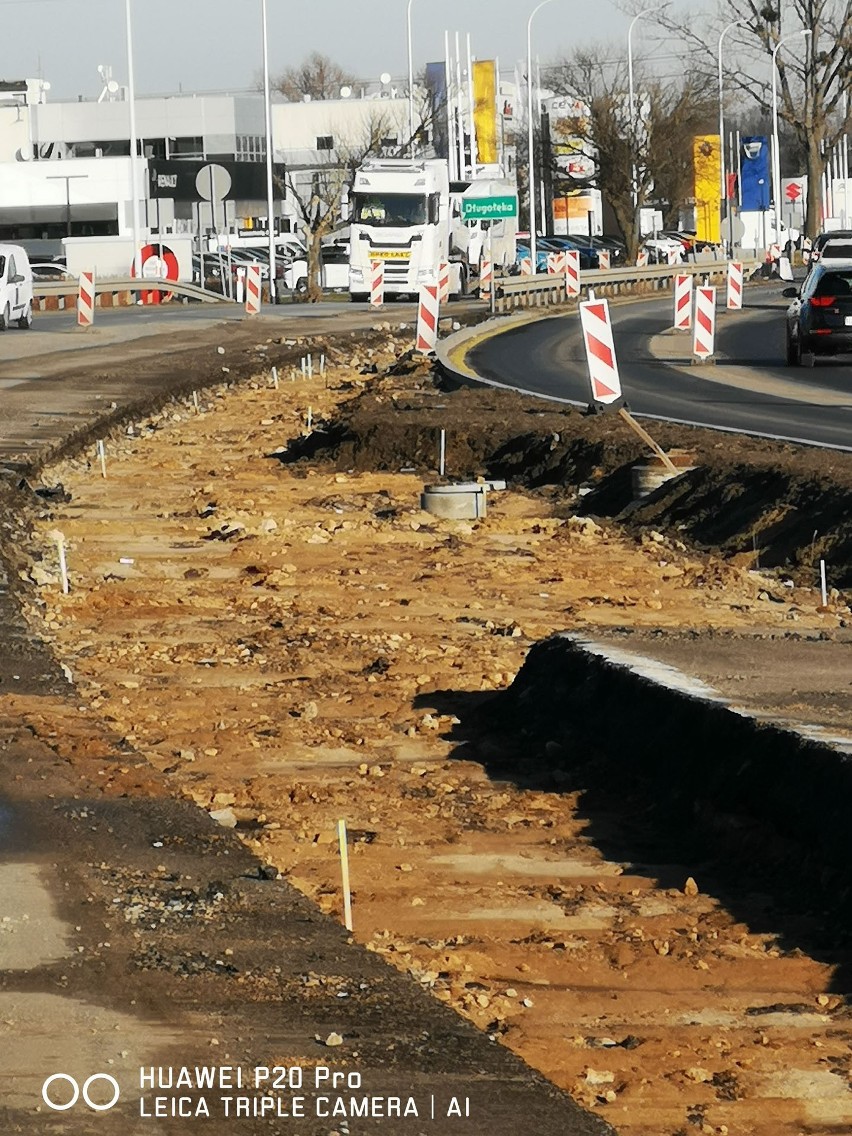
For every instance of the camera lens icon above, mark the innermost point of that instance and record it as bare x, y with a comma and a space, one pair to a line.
76, 1090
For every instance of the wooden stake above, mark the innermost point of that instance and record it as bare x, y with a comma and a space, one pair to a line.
102, 456
275, 377
648, 440
344, 873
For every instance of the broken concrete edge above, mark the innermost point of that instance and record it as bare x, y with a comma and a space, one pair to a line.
687, 735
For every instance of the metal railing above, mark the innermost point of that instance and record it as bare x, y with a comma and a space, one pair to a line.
543, 289
121, 291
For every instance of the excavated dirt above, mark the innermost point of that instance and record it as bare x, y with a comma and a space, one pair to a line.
266, 615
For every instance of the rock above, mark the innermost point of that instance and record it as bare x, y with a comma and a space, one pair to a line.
225, 817
690, 887
310, 711
599, 1077
333, 1039
697, 1074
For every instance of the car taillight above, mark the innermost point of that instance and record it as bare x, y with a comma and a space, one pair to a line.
823, 301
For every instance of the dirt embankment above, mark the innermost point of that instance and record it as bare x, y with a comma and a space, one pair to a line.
288, 640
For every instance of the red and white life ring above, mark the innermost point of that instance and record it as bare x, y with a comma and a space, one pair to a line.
156, 262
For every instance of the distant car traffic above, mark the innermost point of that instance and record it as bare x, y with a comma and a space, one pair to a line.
821, 240
50, 270
819, 319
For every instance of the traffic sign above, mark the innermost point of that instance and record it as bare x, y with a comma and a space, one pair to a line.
488, 208
600, 351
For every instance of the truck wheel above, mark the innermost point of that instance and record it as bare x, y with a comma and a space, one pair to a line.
25, 323
5, 318
358, 297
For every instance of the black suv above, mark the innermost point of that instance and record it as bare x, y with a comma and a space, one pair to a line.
819, 320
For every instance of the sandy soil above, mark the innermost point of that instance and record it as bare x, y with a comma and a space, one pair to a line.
287, 645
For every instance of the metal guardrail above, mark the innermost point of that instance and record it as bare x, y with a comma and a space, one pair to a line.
542, 289
121, 290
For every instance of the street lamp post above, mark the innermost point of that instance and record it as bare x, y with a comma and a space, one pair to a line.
530, 132
134, 141
267, 110
723, 187
410, 81
631, 107
776, 159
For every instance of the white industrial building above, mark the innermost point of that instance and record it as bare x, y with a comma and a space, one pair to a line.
65, 167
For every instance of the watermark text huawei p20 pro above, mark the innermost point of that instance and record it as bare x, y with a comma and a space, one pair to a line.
275, 1091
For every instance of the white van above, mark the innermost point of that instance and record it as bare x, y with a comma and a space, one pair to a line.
16, 287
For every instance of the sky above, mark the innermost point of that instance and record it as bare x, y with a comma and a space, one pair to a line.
206, 45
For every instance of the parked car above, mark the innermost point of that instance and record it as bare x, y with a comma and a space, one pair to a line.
16, 287
49, 270
616, 248
522, 252
588, 253
658, 249
821, 240
819, 319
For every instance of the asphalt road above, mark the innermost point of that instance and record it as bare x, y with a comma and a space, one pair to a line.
749, 389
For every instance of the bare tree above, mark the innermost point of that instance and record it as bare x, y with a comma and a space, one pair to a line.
642, 158
814, 78
316, 76
317, 191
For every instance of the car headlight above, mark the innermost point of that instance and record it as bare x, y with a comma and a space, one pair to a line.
425, 275
356, 274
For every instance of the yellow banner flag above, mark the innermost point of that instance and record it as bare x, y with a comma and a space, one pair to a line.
707, 166
485, 110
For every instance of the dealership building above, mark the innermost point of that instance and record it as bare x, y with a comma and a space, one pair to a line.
66, 169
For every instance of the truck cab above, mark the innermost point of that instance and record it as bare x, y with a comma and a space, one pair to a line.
399, 214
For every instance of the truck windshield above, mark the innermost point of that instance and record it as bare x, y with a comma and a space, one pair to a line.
390, 209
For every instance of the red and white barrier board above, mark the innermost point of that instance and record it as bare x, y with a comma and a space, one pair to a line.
443, 282
486, 278
683, 301
603, 259
86, 300
253, 289
555, 263
675, 255
600, 351
735, 285
705, 322
642, 258
377, 283
572, 273
427, 319
526, 266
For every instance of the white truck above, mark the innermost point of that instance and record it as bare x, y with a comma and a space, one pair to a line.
405, 213
756, 231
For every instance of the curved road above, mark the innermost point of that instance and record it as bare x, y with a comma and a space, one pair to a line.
748, 390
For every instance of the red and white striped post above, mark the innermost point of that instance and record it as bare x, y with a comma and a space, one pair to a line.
86, 300
735, 285
377, 283
600, 351
486, 279
683, 301
427, 319
443, 282
674, 255
253, 289
572, 273
556, 264
526, 266
642, 258
604, 260
703, 340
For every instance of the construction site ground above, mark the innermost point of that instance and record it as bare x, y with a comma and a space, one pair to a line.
263, 623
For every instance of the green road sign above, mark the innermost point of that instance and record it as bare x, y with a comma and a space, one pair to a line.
488, 208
